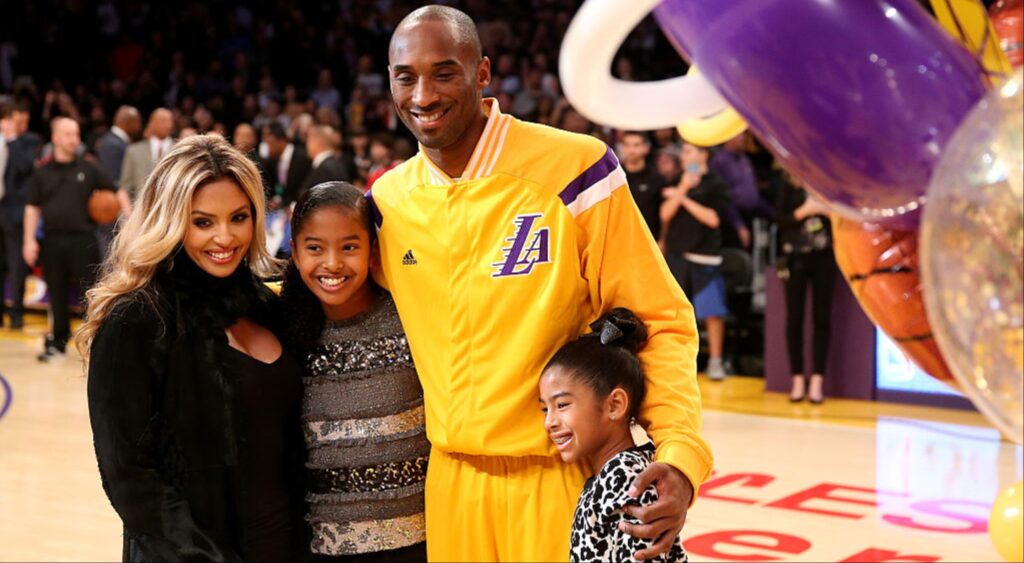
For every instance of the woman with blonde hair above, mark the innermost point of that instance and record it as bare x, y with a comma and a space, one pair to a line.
193, 401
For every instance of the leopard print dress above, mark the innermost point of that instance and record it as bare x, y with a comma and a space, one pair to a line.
595, 527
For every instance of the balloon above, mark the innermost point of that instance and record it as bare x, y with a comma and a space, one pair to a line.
856, 98
972, 256
1008, 21
594, 36
713, 129
1006, 523
969, 23
881, 266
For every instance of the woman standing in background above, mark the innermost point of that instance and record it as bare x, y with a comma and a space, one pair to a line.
805, 243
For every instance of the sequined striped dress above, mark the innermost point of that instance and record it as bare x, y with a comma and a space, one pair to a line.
364, 425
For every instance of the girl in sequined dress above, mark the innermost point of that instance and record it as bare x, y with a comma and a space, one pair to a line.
363, 404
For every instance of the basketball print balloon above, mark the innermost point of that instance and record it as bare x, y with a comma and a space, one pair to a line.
881, 266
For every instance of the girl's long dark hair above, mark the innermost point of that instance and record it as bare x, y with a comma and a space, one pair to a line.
304, 316
606, 358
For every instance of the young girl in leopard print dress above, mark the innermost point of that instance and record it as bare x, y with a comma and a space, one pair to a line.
590, 393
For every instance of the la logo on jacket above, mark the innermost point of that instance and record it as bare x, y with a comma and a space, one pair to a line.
526, 248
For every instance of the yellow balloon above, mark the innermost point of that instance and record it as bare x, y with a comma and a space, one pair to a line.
968, 22
713, 129
1006, 524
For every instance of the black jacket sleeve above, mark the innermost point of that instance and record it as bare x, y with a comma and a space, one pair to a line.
124, 394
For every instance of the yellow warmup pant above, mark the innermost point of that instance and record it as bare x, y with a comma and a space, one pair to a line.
484, 508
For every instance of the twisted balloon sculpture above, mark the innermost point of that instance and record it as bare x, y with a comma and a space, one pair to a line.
878, 110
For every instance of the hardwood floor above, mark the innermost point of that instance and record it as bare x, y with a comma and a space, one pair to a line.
846, 480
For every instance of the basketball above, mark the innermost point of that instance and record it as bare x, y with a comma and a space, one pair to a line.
103, 207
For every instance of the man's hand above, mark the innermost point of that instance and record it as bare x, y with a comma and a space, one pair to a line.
665, 517
30, 251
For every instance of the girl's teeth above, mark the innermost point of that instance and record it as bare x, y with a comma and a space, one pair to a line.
221, 255
332, 282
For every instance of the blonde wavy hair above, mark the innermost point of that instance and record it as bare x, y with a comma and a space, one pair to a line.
160, 218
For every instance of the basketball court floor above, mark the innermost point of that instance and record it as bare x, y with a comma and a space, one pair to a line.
844, 481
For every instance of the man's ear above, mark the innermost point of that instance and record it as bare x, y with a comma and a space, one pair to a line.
483, 73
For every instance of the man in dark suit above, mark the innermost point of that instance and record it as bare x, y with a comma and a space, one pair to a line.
110, 148
286, 166
18, 148
322, 144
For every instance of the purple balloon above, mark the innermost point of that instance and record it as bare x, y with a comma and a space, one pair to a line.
856, 97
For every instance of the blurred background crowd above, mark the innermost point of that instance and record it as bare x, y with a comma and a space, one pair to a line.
302, 87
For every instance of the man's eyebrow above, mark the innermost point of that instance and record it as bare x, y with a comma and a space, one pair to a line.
446, 62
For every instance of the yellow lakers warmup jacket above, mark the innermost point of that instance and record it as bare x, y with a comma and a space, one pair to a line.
494, 271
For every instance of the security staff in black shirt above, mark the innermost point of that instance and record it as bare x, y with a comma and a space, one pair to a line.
59, 195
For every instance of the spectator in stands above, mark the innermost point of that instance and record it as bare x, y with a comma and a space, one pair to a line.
369, 78
326, 95
733, 165
141, 157
299, 127
322, 143
667, 138
244, 139
381, 157
667, 163
202, 119
359, 141
692, 240
644, 181
285, 166
357, 108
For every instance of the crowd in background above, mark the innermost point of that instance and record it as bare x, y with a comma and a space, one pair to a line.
302, 88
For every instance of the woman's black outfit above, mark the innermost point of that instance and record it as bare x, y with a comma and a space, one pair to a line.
199, 445
806, 260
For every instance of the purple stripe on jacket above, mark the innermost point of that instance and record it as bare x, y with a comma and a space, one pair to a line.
378, 219
597, 171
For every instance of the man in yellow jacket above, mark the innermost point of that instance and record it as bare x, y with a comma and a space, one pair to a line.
500, 241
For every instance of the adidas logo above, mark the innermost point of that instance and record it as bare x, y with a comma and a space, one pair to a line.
408, 259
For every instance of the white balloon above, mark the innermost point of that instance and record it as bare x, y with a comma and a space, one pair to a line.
585, 63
